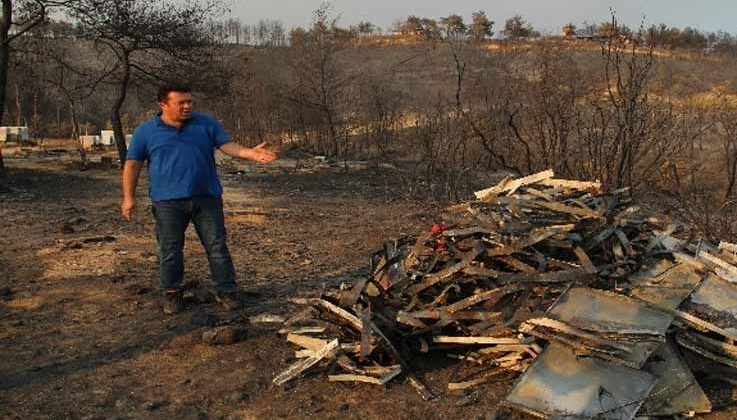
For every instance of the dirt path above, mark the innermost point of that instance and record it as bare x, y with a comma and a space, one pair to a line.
82, 334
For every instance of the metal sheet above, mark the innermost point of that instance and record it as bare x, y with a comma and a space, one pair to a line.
665, 285
596, 310
616, 317
676, 391
719, 294
560, 385
715, 302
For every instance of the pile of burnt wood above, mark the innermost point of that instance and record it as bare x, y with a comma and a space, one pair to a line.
587, 298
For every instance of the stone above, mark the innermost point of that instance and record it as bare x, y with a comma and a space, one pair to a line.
236, 397
154, 405
225, 335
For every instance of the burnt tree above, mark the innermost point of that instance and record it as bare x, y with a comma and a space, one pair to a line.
318, 85
18, 17
146, 41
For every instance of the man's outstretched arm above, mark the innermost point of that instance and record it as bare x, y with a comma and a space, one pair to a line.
131, 171
258, 154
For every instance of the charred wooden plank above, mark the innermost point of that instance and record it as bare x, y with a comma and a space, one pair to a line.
729, 272
485, 377
473, 270
517, 264
348, 317
534, 237
562, 276
561, 208
419, 386
688, 342
479, 340
490, 295
310, 343
366, 333
727, 246
572, 185
703, 325
296, 369
350, 298
459, 315
573, 331
624, 241
600, 237
383, 380
438, 277
510, 186
588, 266
464, 232
490, 193
409, 318
414, 254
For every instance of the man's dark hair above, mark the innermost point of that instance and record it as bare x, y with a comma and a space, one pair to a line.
164, 90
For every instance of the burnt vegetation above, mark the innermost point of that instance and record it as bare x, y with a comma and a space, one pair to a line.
449, 104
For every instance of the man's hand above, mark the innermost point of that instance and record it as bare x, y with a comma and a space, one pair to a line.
258, 154
131, 170
127, 207
263, 155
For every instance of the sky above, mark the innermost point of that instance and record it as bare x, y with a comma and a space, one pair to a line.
545, 15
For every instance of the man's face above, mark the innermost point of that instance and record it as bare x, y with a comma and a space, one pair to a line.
178, 106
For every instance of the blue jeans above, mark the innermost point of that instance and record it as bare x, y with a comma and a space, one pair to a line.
206, 213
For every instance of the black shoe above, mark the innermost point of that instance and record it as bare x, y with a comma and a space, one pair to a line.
230, 301
173, 302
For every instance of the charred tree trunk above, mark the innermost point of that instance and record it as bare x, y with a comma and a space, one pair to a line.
18, 108
76, 135
115, 113
5, 21
333, 133
36, 122
58, 119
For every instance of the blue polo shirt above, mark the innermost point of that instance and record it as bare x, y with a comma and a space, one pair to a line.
181, 162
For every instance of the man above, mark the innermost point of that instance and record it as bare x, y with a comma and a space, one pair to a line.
179, 146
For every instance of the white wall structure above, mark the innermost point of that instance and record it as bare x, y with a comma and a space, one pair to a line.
14, 134
107, 137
